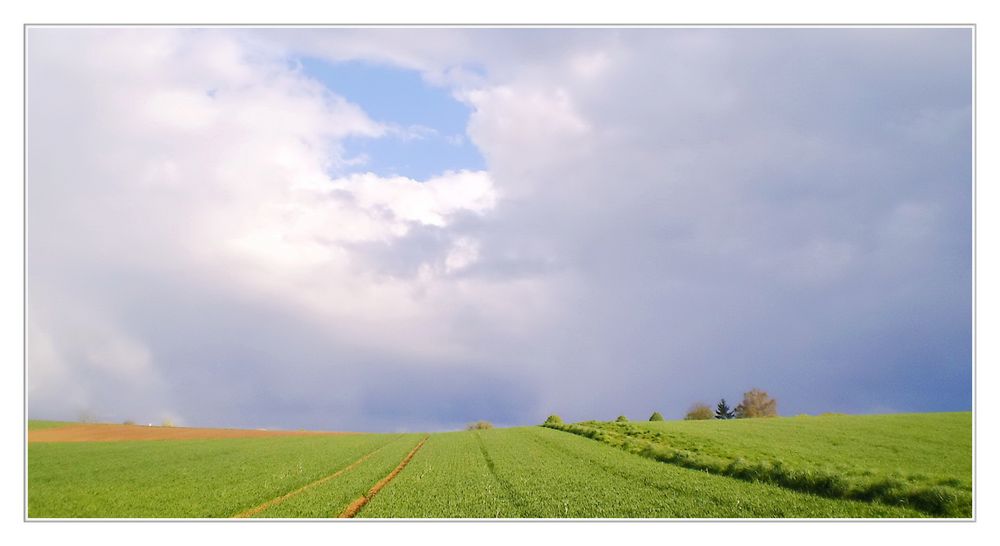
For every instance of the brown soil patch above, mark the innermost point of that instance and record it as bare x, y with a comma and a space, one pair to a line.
286, 496
353, 508
121, 433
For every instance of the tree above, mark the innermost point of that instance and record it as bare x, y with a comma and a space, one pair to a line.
699, 412
554, 420
656, 416
722, 410
757, 403
479, 425
622, 419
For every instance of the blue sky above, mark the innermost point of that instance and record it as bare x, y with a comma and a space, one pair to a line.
667, 216
429, 123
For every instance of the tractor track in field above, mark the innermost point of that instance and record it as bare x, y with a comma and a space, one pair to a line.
359, 503
607, 469
508, 490
278, 500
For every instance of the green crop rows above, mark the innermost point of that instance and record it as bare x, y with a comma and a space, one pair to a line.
180, 478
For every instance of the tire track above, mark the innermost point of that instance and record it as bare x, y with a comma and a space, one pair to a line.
278, 500
508, 489
608, 469
359, 503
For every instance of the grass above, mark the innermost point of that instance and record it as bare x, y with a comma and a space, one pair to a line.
922, 461
539, 473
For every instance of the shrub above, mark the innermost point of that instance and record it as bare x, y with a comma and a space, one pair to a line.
621, 419
656, 416
699, 412
479, 425
554, 420
757, 403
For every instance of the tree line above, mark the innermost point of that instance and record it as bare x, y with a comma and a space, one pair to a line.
756, 403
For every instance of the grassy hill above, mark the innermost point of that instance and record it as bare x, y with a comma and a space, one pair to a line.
923, 461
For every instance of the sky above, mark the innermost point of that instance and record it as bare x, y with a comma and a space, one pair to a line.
412, 229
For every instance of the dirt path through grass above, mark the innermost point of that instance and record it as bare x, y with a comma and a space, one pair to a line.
278, 500
359, 503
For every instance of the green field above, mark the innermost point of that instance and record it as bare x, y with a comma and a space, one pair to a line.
538, 473
527, 472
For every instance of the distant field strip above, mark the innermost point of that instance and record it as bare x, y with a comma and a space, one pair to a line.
78, 432
353, 508
939, 495
36, 424
278, 500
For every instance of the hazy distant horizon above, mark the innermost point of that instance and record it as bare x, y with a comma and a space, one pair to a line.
412, 229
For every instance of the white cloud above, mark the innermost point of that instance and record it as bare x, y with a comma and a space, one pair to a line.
187, 153
463, 253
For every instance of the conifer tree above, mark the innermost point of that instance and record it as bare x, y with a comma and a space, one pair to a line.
722, 410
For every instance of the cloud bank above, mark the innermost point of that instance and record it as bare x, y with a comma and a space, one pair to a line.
666, 216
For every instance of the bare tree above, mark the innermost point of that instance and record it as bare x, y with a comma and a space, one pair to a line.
479, 425
757, 403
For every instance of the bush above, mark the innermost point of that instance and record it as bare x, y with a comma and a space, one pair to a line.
757, 403
699, 412
479, 425
621, 419
656, 416
554, 420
